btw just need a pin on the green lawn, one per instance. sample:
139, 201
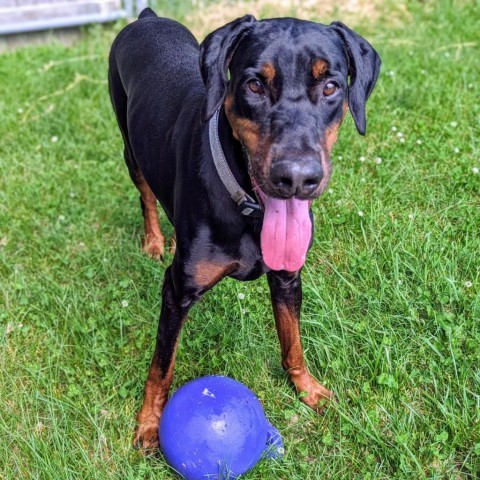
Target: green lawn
391, 288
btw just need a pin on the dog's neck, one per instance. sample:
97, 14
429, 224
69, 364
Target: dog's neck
233, 149
231, 162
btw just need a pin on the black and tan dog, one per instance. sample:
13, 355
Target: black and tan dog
233, 138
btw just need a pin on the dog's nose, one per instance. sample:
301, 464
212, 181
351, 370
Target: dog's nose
296, 178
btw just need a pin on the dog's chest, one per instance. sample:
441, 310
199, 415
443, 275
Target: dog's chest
250, 259
216, 252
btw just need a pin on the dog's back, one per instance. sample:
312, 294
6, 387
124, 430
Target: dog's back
160, 48
154, 74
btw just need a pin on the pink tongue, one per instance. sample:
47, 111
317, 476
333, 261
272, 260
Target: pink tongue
286, 233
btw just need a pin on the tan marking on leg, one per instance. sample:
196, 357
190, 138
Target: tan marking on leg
315, 395
268, 72
153, 241
319, 68
155, 399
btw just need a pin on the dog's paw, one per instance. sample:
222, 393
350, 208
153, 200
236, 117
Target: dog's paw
153, 246
146, 437
312, 393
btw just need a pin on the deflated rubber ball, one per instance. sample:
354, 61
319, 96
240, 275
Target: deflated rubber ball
215, 427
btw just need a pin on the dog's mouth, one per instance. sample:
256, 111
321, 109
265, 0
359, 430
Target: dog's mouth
286, 231
287, 223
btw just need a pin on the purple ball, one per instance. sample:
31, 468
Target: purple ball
215, 427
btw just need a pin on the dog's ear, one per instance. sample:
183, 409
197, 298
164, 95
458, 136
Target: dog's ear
216, 52
363, 69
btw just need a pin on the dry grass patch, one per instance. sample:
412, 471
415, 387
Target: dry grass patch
205, 18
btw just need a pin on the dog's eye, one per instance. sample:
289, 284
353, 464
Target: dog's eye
256, 87
329, 89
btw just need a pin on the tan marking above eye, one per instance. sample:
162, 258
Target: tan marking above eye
319, 68
268, 72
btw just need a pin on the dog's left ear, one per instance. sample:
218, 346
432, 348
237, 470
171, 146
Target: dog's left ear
216, 52
363, 69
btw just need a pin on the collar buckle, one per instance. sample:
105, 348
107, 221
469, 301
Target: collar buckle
250, 209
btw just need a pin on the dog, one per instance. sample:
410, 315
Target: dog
233, 138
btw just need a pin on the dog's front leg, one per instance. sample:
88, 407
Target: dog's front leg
286, 292
175, 306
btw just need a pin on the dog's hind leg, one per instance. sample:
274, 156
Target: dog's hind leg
153, 242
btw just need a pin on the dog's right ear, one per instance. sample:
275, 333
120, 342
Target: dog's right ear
216, 52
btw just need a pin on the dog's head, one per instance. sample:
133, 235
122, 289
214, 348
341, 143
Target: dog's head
286, 86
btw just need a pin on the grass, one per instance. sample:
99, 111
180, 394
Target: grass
391, 294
